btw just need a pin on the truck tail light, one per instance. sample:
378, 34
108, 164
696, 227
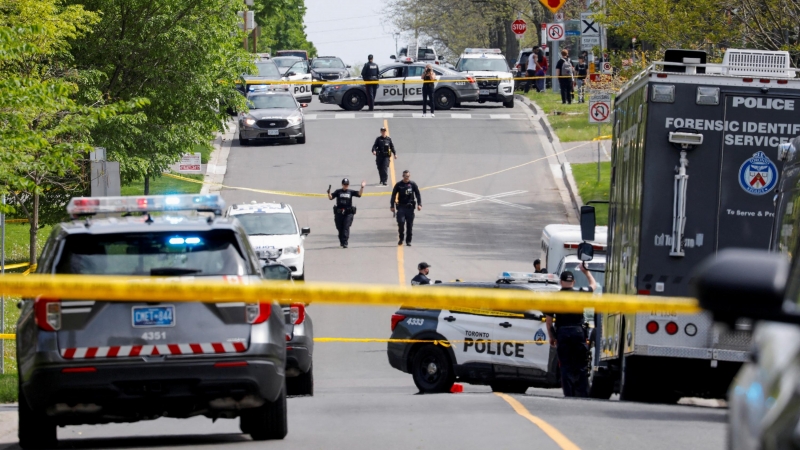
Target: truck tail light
48, 313
297, 313
652, 327
397, 318
257, 312
671, 328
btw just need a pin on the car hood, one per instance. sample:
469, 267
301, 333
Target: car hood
487, 73
272, 113
278, 241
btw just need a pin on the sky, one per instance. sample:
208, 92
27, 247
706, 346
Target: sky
350, 29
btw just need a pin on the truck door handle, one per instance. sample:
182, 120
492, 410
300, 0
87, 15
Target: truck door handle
505, 324
450, 318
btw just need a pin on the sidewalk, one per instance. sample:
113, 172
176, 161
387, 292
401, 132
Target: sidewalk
587, 153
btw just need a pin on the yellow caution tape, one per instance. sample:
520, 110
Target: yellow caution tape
117, 288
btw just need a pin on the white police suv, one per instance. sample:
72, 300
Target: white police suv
274, 233
490, 69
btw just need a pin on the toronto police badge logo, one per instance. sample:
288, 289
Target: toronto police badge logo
539, 337
758, 175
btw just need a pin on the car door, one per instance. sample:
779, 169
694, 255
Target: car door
390, 90
469, 333
413, 87
524, 341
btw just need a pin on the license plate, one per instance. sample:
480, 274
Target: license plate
272, 132
153, 316
487, 91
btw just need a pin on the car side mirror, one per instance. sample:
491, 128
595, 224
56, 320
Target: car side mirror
392, 57
276, 272
290, 74
306, 230
743, 283
588, 223
304, 105
585, 251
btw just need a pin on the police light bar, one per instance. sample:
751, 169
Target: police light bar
79, 206
527, 276
496, 51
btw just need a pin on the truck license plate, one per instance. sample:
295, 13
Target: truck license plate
153, 316
272, 132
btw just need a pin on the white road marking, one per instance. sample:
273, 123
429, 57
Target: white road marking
475, 198
345, 116
499, 116
461, 116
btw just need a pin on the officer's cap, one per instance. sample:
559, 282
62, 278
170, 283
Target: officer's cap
346, 181
567, 276
423, 265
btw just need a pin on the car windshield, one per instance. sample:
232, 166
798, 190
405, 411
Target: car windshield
271, 101
477, 64
598, 272
268, 224
267, 69
285, 61
327, 64
207, 253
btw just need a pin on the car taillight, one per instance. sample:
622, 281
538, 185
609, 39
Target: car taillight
297, 313
397, 318
257, 312
48, 313
671, 328
652, 327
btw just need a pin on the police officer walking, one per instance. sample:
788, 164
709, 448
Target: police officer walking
422, 276
570, 340
383, 149
406, 192
344, 210
370, 73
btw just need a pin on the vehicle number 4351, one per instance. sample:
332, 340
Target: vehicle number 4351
154, 335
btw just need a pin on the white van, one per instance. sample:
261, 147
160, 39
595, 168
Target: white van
560, 240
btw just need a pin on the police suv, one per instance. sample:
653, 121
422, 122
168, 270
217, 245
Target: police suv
274, 233
91, 362
508, 350
490, 69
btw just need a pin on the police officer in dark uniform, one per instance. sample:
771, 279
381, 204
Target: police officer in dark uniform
370, 73
422, 276
406, 192
383, 149
344, 210
570, 340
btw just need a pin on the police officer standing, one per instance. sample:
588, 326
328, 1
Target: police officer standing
422, 276
370, 73
383, 149
344, 210
570, 341
406, 192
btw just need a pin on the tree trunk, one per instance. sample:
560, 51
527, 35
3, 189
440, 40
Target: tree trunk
34, 229
146, 185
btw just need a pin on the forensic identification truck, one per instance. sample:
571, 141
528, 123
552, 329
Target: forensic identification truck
694, 170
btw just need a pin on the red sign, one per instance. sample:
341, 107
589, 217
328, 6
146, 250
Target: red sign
519, 26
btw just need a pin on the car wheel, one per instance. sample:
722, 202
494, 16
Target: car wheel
302, 384
36, 430
354, 100
509, 387
268, 421
510, 103
445, 99
431, 370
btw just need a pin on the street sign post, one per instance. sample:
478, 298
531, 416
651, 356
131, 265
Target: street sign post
519, 27
555, 32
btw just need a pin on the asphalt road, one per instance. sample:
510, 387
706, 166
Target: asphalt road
360, 401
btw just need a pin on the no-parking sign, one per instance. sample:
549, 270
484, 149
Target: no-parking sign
599, 107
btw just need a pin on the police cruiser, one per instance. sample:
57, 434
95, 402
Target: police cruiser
274, 233
490, 69
92, 362
507, 350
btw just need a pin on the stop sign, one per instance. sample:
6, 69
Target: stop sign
519, 26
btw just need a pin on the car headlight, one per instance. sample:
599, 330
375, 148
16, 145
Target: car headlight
295, 119
291, 250
249, 121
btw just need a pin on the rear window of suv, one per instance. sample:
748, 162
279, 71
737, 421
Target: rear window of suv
209, 253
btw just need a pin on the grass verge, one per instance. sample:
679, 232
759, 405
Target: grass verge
589, 189
570, 122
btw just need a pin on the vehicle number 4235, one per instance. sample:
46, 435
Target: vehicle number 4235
154, 335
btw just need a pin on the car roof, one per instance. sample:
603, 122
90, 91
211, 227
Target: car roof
259, 208
141, 224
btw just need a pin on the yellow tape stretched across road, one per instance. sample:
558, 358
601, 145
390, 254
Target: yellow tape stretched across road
150, 289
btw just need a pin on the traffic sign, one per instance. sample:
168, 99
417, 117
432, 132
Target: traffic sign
599, 107
518, 27
555, 32
588, 26
553, 5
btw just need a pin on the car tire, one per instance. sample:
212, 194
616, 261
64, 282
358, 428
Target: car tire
510, 103
509, 387
301, 385
36, 429
431, 370
268, 421
354, 100
444, 98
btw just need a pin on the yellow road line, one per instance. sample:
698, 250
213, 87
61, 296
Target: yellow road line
548, 429
401, 270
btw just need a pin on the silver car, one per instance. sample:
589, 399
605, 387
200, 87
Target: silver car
91, 362
401, 84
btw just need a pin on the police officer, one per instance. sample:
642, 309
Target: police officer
383, 149
570, 340
537, 266
406, 192
344, 210
422, 276
370, 73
